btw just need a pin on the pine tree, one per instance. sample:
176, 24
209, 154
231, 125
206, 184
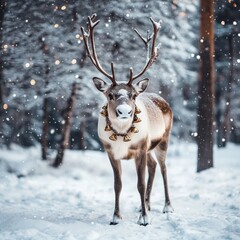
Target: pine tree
206, 87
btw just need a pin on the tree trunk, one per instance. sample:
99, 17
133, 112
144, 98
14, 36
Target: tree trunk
218, 94
45, 120
228, 94
81, 135
45, 127
3, 4
45, 123
67, 127
206, 88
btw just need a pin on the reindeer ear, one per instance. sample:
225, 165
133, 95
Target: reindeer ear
100, 84
141, 86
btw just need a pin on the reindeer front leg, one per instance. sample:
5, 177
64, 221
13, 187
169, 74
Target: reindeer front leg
141, 160
117, 171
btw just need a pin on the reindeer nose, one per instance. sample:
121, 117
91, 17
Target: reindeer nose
124, 111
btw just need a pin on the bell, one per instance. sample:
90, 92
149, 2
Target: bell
107, 128
126, 138
104, 113
113, 137
104, 107
137, 110
136, 119
134, 130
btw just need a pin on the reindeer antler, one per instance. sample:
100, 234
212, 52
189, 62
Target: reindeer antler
93, 56
154, 51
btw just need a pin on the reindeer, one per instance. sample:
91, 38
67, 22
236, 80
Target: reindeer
132, 124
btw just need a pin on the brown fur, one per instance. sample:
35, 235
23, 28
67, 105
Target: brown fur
154, 143
163, 105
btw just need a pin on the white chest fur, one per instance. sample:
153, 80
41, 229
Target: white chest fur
119, 148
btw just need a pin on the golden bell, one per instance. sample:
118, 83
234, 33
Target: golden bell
134, 130
126, 138
113, 137
107, 128
136, 119
137, 110
104, 113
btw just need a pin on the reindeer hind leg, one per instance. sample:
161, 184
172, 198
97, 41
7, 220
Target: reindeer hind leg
151, 164
161, 152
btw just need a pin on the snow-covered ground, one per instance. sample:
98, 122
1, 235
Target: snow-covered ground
76, 201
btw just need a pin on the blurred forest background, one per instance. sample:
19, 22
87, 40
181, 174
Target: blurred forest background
45, 75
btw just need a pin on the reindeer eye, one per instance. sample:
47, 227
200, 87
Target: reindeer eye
110, 95
134, 96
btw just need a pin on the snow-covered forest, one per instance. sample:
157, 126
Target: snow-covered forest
48, 103
42, 55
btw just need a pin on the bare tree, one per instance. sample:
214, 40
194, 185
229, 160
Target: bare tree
67, 126
206, 87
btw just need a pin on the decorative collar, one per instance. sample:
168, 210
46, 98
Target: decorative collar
132, 129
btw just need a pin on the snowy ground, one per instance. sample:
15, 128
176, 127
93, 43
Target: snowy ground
77, 200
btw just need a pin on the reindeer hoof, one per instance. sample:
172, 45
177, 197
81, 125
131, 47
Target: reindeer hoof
116, 220
113, 223
168, 208
143, 220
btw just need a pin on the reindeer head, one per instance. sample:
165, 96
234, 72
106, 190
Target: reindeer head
120, 96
